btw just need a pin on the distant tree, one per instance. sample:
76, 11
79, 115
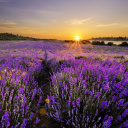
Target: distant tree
98, 43
95, 42
112, 38
124, 44
67, 40
110, 43
10, 36
102, 43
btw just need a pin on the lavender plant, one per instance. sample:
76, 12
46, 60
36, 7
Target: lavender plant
89, 90
18, 94
90, 94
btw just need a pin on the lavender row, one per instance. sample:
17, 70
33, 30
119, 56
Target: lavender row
20, 95
90, 93
92, 87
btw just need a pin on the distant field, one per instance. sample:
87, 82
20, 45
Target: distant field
73, 84
58, 49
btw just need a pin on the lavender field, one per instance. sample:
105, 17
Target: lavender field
86, 86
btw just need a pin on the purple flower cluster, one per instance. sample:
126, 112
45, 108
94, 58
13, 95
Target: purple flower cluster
18, 91
104, 105
103, 90
5, 120
92, 89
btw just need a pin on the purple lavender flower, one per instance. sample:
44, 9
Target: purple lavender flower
97, 94
119, 118
124, 92
24, 100
110, 118
26, 108
104, 104
68, 102
126, 124
106, 124
32, 114
5, 119
78, 101
21, 90
70, 92
73, 104
120, 102
53, 98
114, 98
23, 125
125, 113
61, 83
37, 120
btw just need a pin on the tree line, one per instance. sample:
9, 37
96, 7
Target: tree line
109, 43
10, 37
111, 38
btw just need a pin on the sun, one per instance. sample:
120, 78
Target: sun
77, 38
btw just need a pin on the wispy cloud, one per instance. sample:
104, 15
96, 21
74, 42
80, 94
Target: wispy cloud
125, 25
11, 24
78, 21
107, 25
8, 24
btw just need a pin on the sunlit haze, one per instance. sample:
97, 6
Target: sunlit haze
77, 38
64, 19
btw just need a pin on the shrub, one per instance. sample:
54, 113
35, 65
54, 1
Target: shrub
98, 43
110, 43
124, 44
98, 58
119, 57
2, 60
79, 57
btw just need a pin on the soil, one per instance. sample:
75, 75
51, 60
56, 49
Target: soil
44, 79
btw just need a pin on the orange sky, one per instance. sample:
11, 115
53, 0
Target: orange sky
64, 19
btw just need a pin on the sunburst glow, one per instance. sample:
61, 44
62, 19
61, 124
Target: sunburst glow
76, 46
77, 38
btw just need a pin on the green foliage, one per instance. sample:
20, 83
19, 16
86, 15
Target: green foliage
125, 61
2, 61
124, 44
61, 61
10, 36
119, 57
98, 43
111, 38
110, 43
78, 57
98, 58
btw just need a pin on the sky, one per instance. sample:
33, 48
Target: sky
64, 19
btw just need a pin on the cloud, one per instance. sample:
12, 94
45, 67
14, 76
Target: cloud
8, 24
11, 24
78, 21
107, 25
125, 25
